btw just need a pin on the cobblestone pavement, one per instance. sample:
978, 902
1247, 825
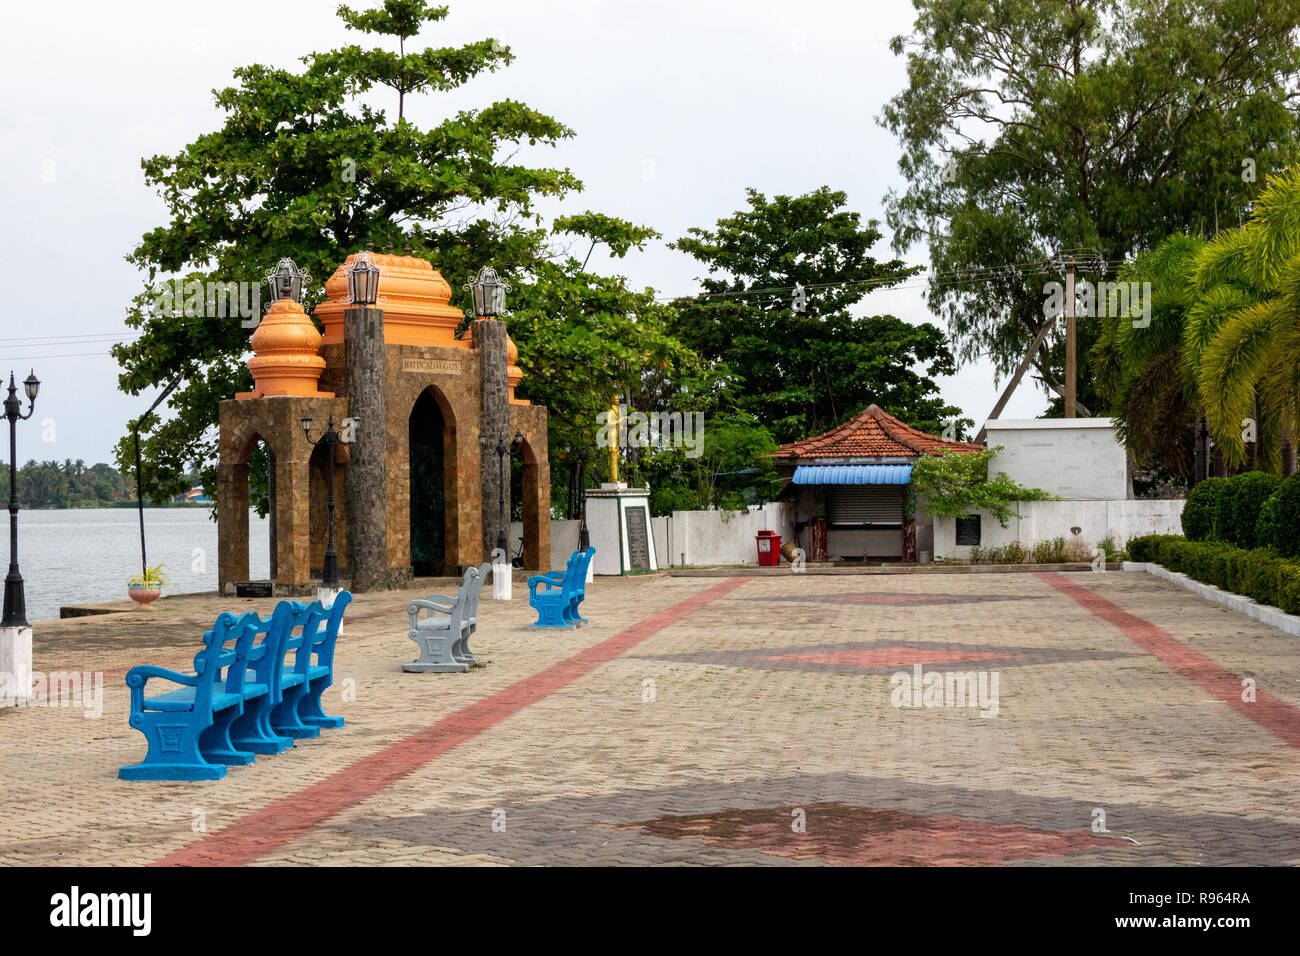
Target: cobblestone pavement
722, 721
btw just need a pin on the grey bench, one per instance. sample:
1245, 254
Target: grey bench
443, 635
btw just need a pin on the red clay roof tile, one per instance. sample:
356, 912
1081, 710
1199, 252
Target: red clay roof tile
873, 433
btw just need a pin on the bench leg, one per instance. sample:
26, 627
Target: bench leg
309, 709
215, 742
550, 614
252, 731
285, 717
436, 656
173, 751
461, 651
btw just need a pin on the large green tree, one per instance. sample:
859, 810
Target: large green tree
799, 372
309, 164
1034, 126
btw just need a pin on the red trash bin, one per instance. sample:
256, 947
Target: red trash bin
769, 548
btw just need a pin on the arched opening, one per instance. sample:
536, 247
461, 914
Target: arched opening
429, 436
246, 528
529, 504
319, 477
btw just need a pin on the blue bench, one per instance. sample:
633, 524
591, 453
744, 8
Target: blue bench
242, 700
557, 602
580, 586
188, 730
299, 713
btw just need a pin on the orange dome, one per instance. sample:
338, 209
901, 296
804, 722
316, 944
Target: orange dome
286, 363
414, 296
514, 374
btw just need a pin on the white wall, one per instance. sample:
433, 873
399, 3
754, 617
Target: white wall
564, 541
717, 537
1121, 520
1069, 457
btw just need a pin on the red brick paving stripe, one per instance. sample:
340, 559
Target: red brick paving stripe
288, 818
1267, 711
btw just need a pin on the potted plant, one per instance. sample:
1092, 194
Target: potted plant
145, 588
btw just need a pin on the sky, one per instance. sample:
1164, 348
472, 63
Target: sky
677, 105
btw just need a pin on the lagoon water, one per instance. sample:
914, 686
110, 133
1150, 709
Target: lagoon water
85, 555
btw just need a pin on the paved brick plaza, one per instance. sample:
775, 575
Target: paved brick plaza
771, 704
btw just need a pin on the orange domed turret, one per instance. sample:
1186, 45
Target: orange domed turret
413, 295
286, 363
514, 374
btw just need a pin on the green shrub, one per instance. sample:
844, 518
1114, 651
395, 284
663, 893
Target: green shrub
1049, 552
1258, 574
1200, 508
1278, 527
1240, 499
1143, 549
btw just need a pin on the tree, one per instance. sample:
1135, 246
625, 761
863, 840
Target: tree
583, 337
1139, 365
1034, 126
801, 372
307, 165
1242, 341
956, 484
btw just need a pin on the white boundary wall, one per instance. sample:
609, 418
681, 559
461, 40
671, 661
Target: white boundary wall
717, 537
1120, 520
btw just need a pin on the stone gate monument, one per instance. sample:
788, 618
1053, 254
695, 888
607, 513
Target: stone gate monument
417, 486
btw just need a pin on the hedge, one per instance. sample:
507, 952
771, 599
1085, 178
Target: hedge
1256, 573
1200, 507
1240, 499
1278, 527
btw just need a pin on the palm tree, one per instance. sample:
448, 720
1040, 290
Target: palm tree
1140, 369
1242, 338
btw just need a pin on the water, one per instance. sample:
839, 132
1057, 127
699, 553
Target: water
85, 555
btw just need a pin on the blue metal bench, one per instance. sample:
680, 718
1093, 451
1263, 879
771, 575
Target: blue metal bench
556, 603
188, 730
253, 730
299, 713
580, 586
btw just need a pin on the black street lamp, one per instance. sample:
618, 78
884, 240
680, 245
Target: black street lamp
330, 567
501, 498
584, 539
15, 604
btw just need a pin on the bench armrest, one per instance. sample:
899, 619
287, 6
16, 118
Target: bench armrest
431, 605
139, 675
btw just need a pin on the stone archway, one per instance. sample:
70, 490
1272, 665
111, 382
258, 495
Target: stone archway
535, 508
431, 445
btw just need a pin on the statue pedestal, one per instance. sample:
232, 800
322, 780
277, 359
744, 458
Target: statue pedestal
618, 523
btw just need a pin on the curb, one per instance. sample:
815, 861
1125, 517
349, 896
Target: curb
1264, 613
754, 572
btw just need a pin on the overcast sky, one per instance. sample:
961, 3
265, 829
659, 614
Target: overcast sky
678, 105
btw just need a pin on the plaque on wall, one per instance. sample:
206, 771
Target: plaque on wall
638, 539
253, 589
431, 365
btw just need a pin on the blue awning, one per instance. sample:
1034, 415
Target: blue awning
852, 474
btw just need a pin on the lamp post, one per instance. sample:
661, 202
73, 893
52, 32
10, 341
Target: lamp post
584, 539
330, 567
15, 602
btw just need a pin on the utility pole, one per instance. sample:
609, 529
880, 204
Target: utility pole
1071, 370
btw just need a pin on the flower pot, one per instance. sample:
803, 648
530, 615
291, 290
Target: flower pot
145, 597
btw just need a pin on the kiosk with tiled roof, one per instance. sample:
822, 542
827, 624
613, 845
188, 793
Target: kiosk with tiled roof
860, 472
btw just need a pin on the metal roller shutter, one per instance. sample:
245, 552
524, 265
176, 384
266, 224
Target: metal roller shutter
866, 505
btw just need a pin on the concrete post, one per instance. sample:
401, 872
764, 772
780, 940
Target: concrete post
366, 489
